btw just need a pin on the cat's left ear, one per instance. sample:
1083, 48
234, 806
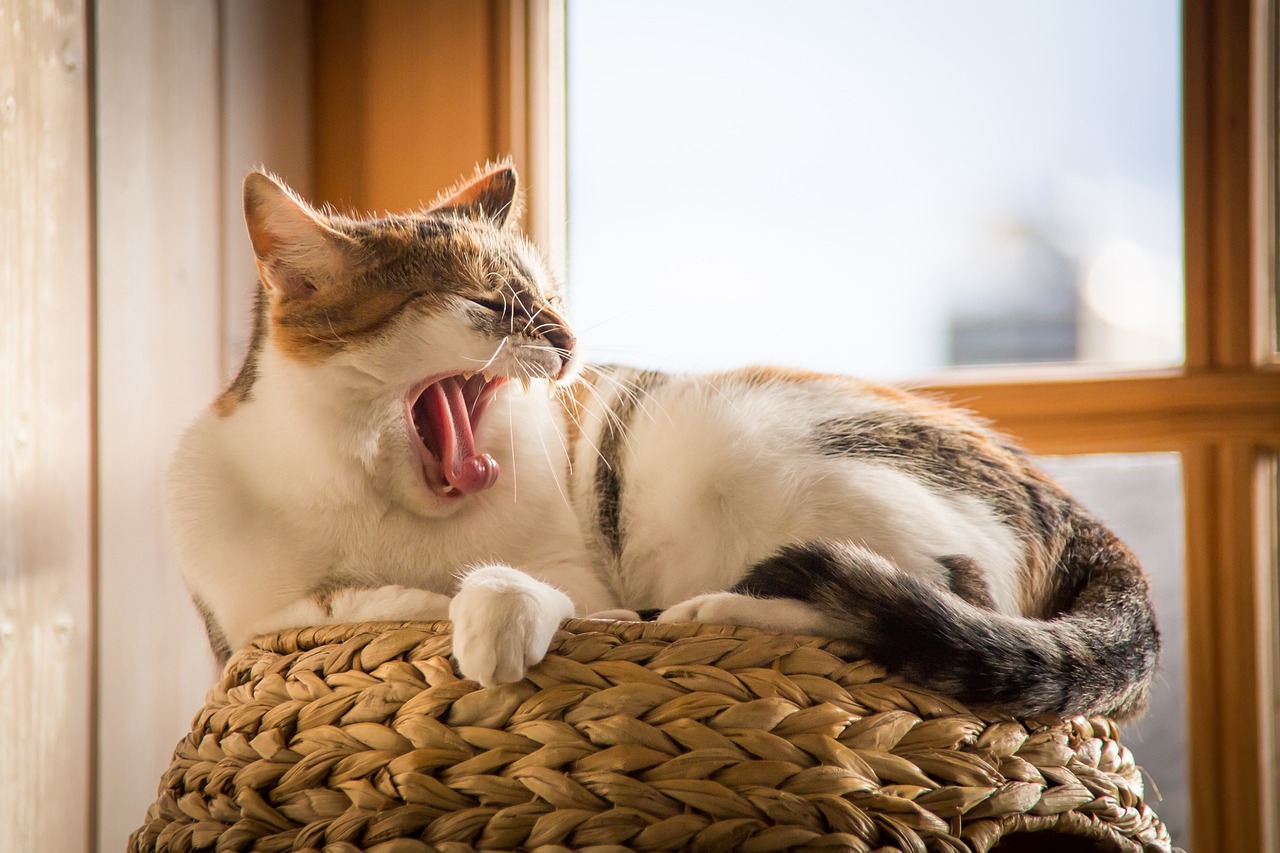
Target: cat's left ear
298, 252
493, 195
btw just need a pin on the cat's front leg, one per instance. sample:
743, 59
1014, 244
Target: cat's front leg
503, 623
347, 604
730, 608
390, 602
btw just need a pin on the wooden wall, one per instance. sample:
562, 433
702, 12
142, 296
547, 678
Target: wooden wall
407, 98
46, 482
410, 95
104, 358
158, 284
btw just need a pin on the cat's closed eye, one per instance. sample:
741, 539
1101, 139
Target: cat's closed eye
496, 305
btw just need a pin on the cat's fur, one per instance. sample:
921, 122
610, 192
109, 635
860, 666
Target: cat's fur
774, 498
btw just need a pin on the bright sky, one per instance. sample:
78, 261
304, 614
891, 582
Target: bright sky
821, 183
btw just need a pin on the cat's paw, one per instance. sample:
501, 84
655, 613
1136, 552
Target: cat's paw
388, 602
731, 608
615, 615
503, 623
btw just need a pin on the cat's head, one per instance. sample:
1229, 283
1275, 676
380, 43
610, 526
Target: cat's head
433, 310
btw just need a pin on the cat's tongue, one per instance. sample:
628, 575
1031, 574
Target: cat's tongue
464, 469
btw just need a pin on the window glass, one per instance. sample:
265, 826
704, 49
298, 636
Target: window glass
875, 188
1139, 496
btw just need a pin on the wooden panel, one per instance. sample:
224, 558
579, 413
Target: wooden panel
547, 139
46, 630
1218, 164
406, 98
266, 121
1268, 620
1222, 656
158, 169
339, 94
1127, 413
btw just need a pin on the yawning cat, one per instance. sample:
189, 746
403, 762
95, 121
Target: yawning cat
412, 437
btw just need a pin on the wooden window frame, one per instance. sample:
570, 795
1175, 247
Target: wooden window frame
1220, 412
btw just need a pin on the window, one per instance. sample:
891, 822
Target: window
894, 190
883, 198
1205, 405
385, 104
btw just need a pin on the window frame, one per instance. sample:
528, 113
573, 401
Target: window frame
1220, 411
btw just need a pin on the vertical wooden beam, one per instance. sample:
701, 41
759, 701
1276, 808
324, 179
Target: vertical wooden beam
412, 103
1222, 635
46, 576
1266, 180
1218, 104
1267, 560
159, 284
266, 119
547, 173
338, 95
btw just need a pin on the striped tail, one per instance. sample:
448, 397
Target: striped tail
1098, 653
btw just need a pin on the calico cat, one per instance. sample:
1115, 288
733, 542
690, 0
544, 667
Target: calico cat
413, 436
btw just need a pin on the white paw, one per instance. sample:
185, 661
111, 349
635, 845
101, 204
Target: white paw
387, 603
730, 608
503, 623
721, 608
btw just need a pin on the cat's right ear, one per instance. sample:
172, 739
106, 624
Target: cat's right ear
298, 253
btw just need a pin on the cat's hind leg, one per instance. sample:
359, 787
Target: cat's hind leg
730, 608
503, 623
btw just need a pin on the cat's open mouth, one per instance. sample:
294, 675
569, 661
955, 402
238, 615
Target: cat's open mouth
443, 414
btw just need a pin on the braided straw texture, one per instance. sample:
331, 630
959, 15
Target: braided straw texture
629, 736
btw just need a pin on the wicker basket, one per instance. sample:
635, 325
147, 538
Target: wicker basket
630, 736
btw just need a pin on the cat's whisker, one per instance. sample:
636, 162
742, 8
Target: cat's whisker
608, 416
511, 435
605, 320
551, 465
567, 454
529, 328
611, 418
585, 436
638, 395
485, 364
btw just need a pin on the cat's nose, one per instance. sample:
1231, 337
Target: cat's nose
556, 331
564, 342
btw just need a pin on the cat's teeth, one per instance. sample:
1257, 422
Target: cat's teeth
467, 374
448, 488
525, 382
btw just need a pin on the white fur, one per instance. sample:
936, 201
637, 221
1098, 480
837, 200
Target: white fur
729, 608
716, 482
503, 622
313, 483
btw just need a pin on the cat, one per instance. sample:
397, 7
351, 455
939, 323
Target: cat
414, 436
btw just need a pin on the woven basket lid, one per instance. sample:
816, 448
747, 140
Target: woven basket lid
629, 736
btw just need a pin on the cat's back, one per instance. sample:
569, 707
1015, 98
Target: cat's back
722, 469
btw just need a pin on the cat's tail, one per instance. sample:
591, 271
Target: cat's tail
1097, 655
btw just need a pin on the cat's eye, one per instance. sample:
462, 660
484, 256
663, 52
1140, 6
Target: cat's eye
495, 304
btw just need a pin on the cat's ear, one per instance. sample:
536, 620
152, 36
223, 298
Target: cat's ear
494, 194
298, 253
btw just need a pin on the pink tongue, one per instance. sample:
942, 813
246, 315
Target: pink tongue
466, 470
